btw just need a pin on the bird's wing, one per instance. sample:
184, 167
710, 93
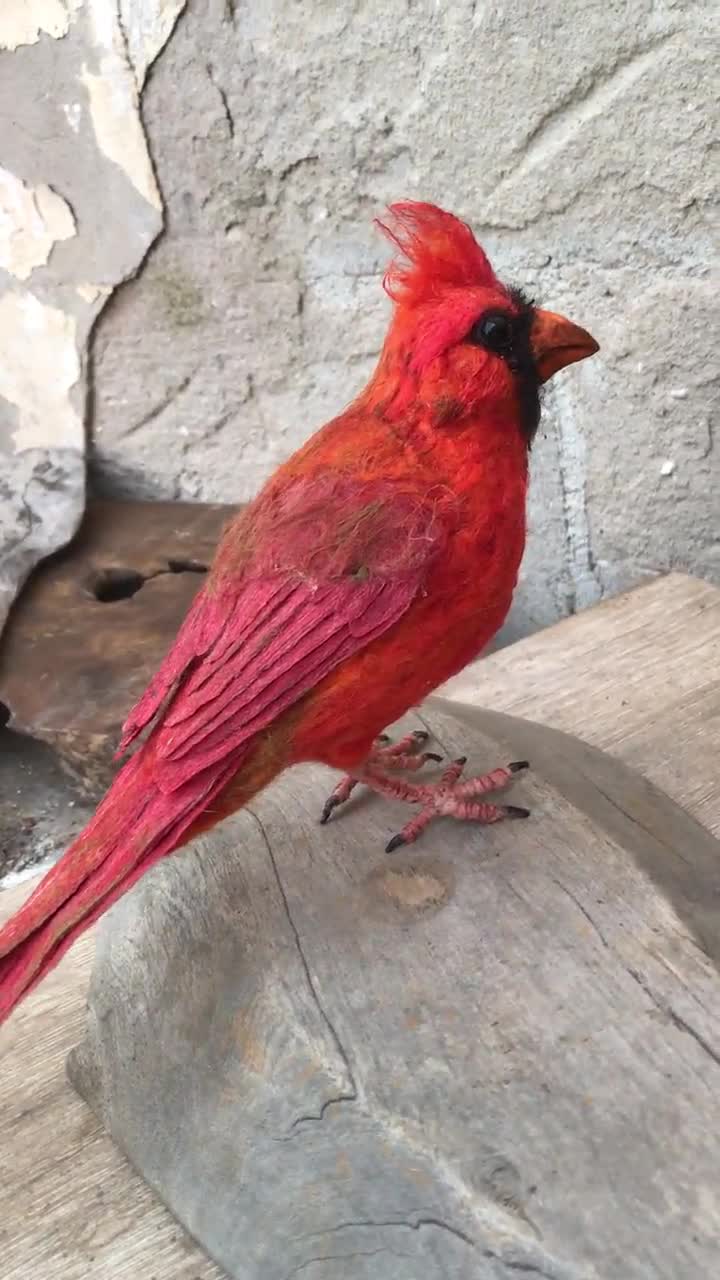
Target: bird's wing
301, 584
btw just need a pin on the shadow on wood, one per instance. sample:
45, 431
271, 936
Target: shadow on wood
495, 1052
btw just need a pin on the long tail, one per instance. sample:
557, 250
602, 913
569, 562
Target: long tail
136, 824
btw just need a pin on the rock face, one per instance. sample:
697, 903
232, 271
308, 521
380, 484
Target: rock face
575, 138
79, 207
492, 1054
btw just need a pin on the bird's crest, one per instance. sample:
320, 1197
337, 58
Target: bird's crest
435, 250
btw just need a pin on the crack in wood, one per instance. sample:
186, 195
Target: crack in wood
351, 1094
582, 909
672, 1016
110, 585
343, 1257
402, 1223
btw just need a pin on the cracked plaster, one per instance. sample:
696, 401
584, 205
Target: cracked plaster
79, 208
577, 141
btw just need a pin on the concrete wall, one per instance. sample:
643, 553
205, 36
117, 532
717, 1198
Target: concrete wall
79, 207
577, 139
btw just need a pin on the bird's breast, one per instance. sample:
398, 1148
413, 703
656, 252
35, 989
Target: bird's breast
463, 602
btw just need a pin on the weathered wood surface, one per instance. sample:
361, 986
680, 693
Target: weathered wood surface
71, 1208
53, 1223
639, 676
499, 1051
92, 624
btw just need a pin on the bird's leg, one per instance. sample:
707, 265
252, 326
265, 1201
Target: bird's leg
404, 755
449, 798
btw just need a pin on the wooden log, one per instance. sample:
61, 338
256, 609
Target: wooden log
493, 1054
71, 1208
91, 626
639, 676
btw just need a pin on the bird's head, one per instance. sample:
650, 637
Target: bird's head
461, 342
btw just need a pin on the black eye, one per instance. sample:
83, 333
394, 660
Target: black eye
494, 331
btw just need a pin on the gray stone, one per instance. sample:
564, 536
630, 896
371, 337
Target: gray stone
577, 140
42, 494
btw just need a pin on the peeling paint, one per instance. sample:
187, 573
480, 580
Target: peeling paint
22, 21
32, 220
91, 292
40, 366
76, 90
103, 19
115, 106
73, 114
147, 25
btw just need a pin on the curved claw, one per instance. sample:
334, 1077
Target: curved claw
395, 843
514, 811
330, 804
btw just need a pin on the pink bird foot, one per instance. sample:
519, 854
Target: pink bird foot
448, 798
388, 757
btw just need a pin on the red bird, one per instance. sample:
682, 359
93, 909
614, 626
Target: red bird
376, 562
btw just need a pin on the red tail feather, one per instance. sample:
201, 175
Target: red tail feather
134, 826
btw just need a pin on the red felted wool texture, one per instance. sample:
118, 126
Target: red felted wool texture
375, 563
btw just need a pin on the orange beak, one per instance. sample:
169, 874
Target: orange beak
555, 342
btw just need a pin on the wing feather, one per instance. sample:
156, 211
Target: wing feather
256, 642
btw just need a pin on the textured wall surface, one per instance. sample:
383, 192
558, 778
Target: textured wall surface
79, 207
576, 138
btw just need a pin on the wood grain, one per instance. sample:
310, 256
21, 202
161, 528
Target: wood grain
504, 1037
638, 988
71, 1207
638, 676
71, 665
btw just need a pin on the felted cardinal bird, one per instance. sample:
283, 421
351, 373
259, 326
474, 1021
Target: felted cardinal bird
375, 563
